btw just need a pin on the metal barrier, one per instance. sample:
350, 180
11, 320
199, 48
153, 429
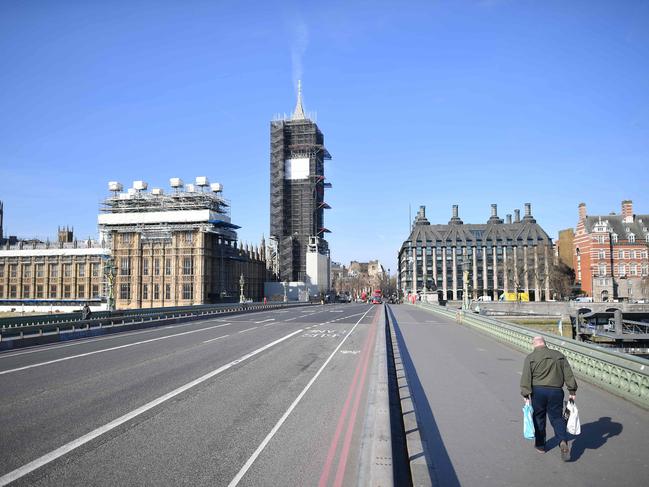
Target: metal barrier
625, 376
44, 319
10, 337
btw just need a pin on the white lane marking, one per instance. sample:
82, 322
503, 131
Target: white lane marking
217, 338
291, 319
68, 447
235, 481
124, 334
62, 359
264, 321
270, 324
248, 329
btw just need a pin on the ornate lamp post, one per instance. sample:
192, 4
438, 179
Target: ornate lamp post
242, 282
110, 271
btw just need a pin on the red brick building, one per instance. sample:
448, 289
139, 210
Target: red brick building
610, 254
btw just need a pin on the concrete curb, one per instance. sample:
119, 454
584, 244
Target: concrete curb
416, 454
376, 447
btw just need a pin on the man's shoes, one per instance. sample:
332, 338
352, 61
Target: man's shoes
540, 449
565, 451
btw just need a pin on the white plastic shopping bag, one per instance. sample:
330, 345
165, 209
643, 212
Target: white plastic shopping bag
573, 426
528, 424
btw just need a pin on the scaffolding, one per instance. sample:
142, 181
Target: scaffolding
297, 205
156, 215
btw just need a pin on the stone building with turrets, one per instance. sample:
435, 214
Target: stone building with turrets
485, 259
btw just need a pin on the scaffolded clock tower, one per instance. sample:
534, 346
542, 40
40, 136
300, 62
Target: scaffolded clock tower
297, 204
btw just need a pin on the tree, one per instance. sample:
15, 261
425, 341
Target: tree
562, 279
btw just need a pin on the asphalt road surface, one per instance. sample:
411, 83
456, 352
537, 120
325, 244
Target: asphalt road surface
268, 398
467, 397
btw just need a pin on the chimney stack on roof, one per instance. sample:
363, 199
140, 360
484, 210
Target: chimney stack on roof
494, 214
517, 215
528, 213
582, 211
455, 219
508, 218
627, 211
420, 219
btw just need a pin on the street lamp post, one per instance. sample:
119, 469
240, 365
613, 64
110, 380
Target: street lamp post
110, 271
285, 284
242, 282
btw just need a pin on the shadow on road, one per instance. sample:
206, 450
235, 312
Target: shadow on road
440, 467
594, 435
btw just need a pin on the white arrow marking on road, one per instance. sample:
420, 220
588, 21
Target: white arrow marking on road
68, 447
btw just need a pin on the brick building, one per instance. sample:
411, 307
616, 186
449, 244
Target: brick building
610, 254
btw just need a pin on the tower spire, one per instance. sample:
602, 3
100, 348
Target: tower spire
298, 113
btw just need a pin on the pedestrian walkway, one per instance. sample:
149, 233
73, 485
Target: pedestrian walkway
466, 391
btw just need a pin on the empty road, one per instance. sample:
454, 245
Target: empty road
267, 398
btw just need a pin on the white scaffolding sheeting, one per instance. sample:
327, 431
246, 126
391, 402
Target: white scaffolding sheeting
157, 217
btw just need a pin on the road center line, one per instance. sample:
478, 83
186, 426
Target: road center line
248, 329
217, 338
235, 481
68, 447
62, 359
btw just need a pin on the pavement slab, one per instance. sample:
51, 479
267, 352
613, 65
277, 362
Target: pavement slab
468, 406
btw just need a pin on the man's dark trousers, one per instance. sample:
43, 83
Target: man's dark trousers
548, 400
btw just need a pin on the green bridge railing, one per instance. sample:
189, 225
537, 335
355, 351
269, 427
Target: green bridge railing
622, 375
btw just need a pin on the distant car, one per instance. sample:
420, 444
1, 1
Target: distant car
376, 300
584, 299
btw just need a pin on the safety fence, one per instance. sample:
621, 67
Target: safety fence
620, 374
27, 334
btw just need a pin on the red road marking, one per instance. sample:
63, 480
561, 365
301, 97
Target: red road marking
324, 476
342, 463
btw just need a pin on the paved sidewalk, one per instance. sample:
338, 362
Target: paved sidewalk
466, 391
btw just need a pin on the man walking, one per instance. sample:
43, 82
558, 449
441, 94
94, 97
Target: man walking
544, 373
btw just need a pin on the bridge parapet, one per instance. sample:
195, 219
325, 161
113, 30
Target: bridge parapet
556, 308
623, 375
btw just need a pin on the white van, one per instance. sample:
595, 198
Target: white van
584, 299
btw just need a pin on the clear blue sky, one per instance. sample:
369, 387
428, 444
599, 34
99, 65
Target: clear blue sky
433, 103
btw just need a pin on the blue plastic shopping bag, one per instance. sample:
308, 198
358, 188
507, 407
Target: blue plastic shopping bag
528, 424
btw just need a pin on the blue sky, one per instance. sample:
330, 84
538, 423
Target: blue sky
421, 103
